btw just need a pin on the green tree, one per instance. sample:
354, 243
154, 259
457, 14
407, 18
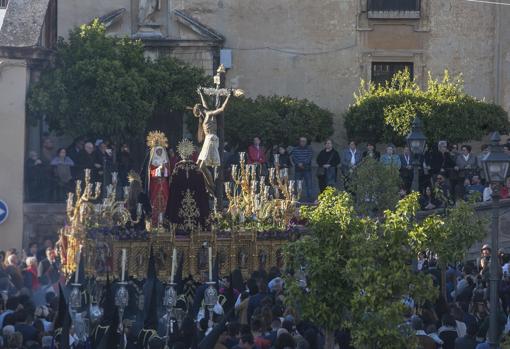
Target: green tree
380, 270
358, 269
277, 120
458, 226
375, 187
324, 255
103, 85
384, 112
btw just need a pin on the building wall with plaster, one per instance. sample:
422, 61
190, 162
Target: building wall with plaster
13, 85
321, 49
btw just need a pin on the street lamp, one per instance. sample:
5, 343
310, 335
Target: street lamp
496, 169
416, 142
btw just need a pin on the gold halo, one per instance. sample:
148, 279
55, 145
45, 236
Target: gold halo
157, 139
185, 149
133, 177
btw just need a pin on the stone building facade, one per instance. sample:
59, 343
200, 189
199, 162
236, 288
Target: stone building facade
317, 50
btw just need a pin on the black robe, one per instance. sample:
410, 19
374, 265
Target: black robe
188, 203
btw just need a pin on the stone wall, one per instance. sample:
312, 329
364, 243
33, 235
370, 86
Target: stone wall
42, 221
321, 49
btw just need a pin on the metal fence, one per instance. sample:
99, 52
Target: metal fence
394, 5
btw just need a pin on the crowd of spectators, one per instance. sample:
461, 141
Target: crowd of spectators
52, 174
460, 317
445, 173
28, 302
258, 316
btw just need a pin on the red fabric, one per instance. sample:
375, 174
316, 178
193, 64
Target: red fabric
35, 279
262, 343
158, 190
256, 156
504, 192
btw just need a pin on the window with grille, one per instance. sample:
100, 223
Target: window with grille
384, 71
3, 3
394, 8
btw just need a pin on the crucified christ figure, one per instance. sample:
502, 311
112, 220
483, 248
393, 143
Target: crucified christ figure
208, 126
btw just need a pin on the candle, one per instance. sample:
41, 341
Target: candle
160, 218
77, 273
291, 185
138, 210
114, 177
174, 262
98, 188
109, 189
126, 192
82, 212
276, 159
210, 263
242, 156
234, 171
87, 173
271, 174
123, 264
70, 201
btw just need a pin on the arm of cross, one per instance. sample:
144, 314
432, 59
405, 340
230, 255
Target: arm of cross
204, 103
222, 108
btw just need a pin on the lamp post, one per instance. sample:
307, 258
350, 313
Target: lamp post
416, 142
496, 169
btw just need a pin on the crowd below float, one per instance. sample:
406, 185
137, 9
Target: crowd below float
249, 314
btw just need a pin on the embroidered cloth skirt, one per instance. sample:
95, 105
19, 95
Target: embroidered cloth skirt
210, 154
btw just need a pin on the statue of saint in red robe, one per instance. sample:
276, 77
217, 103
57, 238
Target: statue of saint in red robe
159, 185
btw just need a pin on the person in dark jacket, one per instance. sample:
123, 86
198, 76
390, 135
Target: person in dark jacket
371, 152
469, 340
87, 160
327, 162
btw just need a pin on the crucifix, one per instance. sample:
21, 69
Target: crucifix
211, 132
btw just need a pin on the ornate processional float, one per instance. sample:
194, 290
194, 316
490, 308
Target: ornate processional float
173, 212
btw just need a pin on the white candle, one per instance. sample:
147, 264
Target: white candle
123, 263
138, 210
77, 273
160, 218
210, 263
174, 262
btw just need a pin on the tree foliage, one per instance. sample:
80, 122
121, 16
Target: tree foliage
384, 113
359, 269
102, 85
375, 187
276, 120
380, 270
324, 254
458, 227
